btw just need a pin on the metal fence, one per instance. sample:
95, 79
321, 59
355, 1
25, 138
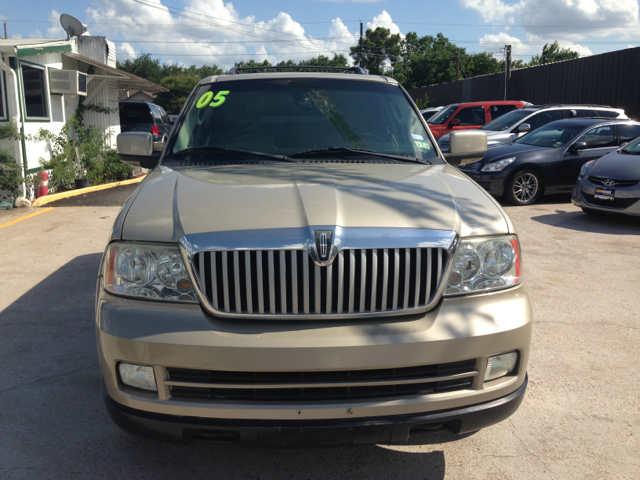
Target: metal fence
608, 79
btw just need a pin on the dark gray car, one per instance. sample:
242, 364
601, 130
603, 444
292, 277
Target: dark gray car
548, 160
146, 117
611, 183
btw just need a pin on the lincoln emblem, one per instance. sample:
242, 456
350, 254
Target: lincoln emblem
323, 240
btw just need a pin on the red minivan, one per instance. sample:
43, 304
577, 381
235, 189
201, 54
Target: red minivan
467, 116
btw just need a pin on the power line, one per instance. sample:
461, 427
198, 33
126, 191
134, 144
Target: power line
354, 21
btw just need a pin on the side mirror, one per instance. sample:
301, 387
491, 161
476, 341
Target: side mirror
576, 147
466, 146
136, 148
524, 127
455, 122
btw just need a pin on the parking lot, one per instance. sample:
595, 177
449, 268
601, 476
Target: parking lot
579, 419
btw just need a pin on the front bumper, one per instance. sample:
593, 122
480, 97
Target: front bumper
492, 182
381, 430
183, 336
585, 186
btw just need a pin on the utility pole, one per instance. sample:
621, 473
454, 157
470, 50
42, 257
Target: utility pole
361, 47
5, 30
458, 65
507, 68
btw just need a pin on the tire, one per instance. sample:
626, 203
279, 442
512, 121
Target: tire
591, 211
524, 187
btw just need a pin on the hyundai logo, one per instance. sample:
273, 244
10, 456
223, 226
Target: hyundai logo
609, 183
324, 240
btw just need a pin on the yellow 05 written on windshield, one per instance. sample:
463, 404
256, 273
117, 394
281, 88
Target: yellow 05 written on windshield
218, 100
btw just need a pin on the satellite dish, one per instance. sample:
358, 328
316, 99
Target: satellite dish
72, 26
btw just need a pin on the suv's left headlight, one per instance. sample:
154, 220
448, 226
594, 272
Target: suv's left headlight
484, 264
147, 270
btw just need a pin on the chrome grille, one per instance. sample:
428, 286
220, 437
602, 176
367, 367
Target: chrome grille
321, 385
619, 183
288, 282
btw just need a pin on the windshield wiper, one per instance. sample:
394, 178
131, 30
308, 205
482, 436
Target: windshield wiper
363, 151
233, 151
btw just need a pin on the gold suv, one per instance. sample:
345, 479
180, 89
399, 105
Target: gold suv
303, 266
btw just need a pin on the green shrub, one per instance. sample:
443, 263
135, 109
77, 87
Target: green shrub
79, 152
10, 175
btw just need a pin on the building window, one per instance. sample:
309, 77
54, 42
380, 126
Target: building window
3, 96
35, 91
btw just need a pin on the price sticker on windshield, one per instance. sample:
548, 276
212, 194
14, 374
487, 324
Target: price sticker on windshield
207, 99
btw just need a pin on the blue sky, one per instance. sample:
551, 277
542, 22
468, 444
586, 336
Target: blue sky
214, 31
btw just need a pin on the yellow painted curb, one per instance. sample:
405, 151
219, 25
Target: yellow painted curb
81, 191
24, 217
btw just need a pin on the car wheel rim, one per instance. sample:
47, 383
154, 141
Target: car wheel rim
525, 188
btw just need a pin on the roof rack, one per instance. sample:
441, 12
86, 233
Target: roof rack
572, 105
356, 70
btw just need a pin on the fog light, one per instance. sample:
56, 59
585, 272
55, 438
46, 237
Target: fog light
138, 376
500, 365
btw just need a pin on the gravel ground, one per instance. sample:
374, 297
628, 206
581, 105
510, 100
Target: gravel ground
580, 418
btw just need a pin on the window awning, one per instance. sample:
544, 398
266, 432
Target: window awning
126, 81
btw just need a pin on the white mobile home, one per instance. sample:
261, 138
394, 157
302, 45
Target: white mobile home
42, 82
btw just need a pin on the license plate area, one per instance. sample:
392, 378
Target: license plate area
605, 193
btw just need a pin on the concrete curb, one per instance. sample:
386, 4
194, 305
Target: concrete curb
38, 202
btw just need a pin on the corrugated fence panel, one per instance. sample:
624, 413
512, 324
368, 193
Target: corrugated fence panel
607, 79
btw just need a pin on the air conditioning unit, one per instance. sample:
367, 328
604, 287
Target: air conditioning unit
69, 82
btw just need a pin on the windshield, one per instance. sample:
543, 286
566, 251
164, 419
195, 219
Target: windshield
506, 121
286, 116
443, 115
633, 147
552, 135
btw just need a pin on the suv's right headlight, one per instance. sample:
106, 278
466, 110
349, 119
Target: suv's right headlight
484, 264
147, 270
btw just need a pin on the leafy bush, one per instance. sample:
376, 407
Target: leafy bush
10, 175
77, 152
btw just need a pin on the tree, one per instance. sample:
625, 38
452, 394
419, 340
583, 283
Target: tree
553, 53
427, 60
480, 64
177, 79
144, 67
378, 47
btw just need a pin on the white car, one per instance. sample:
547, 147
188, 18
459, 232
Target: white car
515, 124
427, 113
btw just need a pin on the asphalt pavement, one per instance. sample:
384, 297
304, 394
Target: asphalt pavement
580, 417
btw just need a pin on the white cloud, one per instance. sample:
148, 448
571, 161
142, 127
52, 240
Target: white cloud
494, 42
490, 10
563, 19
127, 50
55, 30
384, 20
216, 34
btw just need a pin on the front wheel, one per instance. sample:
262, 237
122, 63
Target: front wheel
524, 187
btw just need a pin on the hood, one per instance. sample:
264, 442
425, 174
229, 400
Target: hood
175, 202
509, 150
617, 166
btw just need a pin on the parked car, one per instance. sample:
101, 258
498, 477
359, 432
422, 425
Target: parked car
303, 265
611, 183
146, 117
427, 113
518, 122
548, 159
468, 116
